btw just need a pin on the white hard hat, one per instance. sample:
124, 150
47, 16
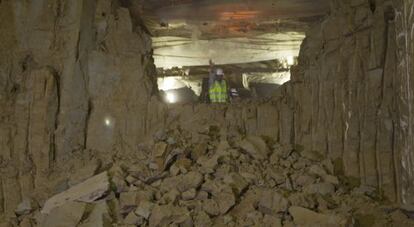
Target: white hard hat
219, 72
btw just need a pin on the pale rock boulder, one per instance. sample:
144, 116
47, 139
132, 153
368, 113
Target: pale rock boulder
303, 180
26, 222
272, 203
66, 215
83, 173
271, 221
236, 182
255, 146
320, 188
133, 219
183, 182
167, 215
210, 163
225, 200
254, 218
331, 179
189, 195
99, 217
305, 217
303, 200
117, 178
400, 219
248, 203
364, 190
312, 155
160, 154
202, 219
190, 180
211, 207
87, 191
317, 170
25, 207
144, 209
128, 201
170, 197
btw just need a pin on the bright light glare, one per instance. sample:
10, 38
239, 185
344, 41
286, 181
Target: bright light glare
169, 83
107, 122
291, 60
171, 98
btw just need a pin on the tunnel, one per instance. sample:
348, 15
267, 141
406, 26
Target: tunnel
206, 113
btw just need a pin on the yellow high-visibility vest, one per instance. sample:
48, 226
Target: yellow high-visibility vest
218, 92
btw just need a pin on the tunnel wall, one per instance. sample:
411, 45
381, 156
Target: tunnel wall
75, 80
405, 70
351, 97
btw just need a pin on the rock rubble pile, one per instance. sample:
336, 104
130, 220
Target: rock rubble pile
214, 179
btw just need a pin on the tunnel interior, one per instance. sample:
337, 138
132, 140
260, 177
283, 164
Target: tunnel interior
255, 43
103, 121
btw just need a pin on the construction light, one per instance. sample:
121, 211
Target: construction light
171, 98
108, 122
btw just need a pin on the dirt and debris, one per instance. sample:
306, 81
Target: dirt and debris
220, 180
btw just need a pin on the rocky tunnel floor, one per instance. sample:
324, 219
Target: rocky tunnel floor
212, 178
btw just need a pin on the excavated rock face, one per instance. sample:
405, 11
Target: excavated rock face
349, 96
404, 23
75, 77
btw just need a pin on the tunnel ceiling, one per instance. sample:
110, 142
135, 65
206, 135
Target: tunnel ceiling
189, 32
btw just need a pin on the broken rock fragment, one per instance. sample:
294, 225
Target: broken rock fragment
272, 203
188, 195
127, 201
304, 180
87, 191
236, 182
271, 221
305, 217
133, 219
167, 215
160, 154
66, 215
255, 146
211, 207
99, 217
321, 188
202, 219
225, 200
190, 180
25, 207
144, 209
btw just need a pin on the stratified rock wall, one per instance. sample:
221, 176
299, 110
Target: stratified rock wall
75, 77
351, 94
404, 23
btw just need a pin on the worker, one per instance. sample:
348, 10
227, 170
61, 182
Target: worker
218, 90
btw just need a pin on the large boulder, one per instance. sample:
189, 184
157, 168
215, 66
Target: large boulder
305, 217
87, 191
167, 215
99, 217
255, 146
65, 215
272, 203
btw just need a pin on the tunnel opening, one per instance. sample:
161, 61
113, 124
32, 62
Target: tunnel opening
255, 44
